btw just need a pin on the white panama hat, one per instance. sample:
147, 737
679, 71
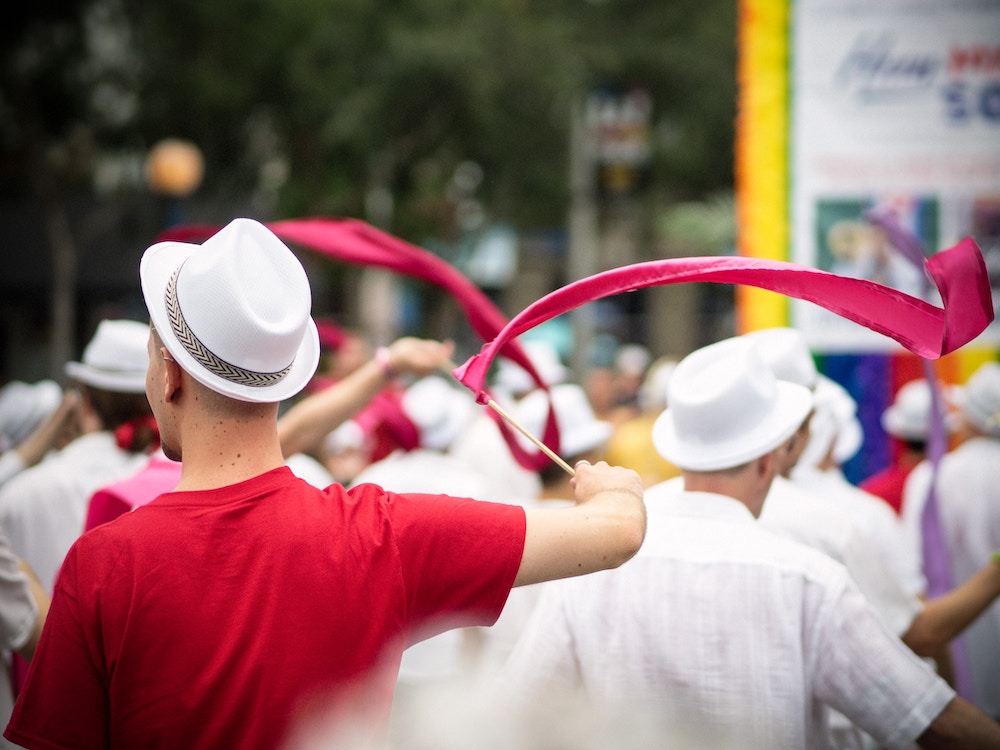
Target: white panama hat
23, 409
726, 407
786, 352
908, 417
514, 379
439, 411
234, 311
115, 359
580, 431
979, 399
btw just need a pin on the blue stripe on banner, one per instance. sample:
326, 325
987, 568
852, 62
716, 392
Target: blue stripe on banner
868, 378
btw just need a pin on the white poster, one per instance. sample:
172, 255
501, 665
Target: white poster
895, 104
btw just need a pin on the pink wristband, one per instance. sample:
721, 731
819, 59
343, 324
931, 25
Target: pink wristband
384, 361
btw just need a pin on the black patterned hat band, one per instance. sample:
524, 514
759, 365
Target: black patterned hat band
203, 355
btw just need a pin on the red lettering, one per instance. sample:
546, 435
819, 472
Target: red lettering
979, 58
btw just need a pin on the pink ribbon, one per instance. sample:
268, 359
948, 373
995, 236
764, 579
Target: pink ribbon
354, 241
959, 274
934, 545
928, 331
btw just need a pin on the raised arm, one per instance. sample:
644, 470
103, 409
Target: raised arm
945, 617
53, 432
603, 530
303, 426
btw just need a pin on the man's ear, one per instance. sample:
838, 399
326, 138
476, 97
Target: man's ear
767, 465
172, 376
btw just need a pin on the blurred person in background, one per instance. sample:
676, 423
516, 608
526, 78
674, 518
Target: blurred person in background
631, 443
967, 488
907, 420
43, 509
35, 418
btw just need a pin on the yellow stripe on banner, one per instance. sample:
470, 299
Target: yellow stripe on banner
762, 193
968, 359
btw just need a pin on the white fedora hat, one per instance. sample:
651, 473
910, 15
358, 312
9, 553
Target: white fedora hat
115, 359
514, 379
24, 407
979, 398
234, 311
786, 352
726, 407
439, 411
580, 431
908, 417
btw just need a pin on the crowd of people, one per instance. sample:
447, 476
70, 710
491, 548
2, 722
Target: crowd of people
238, 527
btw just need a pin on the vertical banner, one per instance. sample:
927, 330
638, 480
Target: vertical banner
762, 153
895, 106
848, 106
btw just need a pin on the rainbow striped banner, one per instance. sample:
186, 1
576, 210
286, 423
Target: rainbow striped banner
845, 105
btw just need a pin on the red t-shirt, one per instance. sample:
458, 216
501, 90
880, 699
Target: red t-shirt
217, 618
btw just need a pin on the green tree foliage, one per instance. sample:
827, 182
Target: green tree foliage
319, 105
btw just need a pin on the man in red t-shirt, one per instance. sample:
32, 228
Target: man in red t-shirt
226, 612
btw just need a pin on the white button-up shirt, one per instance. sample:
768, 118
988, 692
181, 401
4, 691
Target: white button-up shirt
722, 627
794, 513
968, 502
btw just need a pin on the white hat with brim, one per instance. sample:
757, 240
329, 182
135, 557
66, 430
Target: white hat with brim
979, 399
234, 312
580, 431
440, 411
116, 358
726, 408
909, 415
24, 407
787, 354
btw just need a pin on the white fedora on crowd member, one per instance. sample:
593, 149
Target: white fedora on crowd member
438, 410
115, 359
909, 415
786, 352
234, 312
580, 431
725, 407
513, 379
23, 409
979, 399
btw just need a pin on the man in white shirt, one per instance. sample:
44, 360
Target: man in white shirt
968, 503
725, 628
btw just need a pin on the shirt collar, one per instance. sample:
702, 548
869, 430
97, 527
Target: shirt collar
700, 504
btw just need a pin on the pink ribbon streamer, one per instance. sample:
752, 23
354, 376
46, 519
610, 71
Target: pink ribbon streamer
959, 274
934, 545
928, 331
353, 241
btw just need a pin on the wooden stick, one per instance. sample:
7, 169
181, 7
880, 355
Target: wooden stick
449, 367
541, 446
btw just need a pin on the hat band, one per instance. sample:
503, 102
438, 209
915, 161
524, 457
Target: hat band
206, 358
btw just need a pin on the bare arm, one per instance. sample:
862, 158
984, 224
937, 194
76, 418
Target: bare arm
42, 601
603, 530
303, 426
944, 618
52, 432
961, 726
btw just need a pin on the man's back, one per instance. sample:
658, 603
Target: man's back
214, 618
733, 630
966, 498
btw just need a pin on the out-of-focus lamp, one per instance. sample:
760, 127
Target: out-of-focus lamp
174, 168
